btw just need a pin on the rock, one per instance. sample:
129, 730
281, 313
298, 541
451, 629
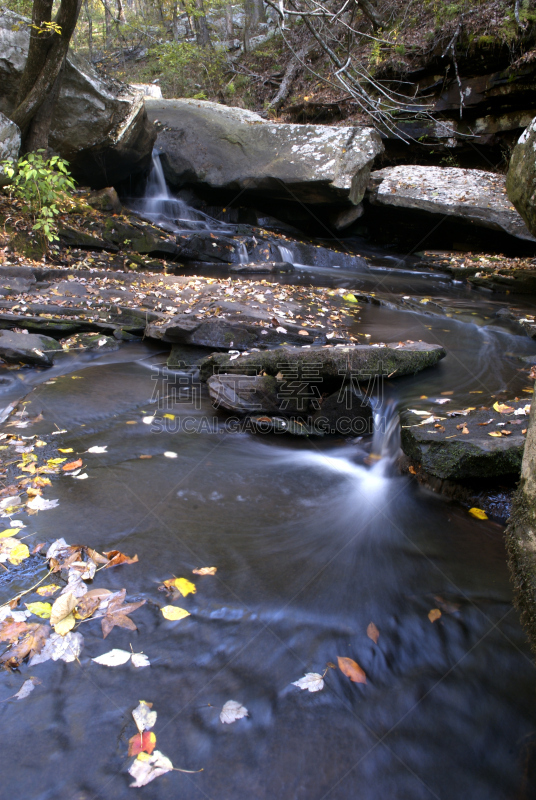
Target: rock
100, 126
244, 394
348, 362
28, 348
89, 341
521, 177
450, 454
345, 412
263, 267
521, 534
470, 195
105, 200
9, 144
343, 219
218, 147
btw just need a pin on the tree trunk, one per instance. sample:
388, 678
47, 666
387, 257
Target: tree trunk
41, 77
175, 23
202, 34
228, 12
372, 13
107, 21
89, 31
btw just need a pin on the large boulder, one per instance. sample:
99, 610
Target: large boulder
470, 195
234, 149
521, 177
100, 126
28, 348
9, 144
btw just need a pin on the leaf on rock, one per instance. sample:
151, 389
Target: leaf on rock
115, 557
373, 632
351, 669
312, 681
494, 433
60, 648
141, 743
434, 614
46, 591
232, 711
117, 614
72, 465
144, 717
62, 607
478, 513
30, 645
502, 408
184, 586
40, 609
174, 612
113, 658
205, 571
145, 770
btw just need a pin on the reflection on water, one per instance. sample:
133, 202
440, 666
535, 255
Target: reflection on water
313, 540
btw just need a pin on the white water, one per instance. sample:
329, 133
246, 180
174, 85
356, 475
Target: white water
286, 254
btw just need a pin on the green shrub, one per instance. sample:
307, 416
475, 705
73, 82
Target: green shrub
188, 70
43, 185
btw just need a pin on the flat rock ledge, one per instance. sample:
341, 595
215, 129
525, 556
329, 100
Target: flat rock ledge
460, 447
521, 535
470, 195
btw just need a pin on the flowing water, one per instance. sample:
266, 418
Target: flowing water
312, 544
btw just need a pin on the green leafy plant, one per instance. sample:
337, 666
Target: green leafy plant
43, 185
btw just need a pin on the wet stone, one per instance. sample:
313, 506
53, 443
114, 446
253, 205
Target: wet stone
28, 348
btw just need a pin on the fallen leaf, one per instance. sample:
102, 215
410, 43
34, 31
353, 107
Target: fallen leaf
312, 681
170, 454
494, 433
65, 625
478, 513
373, 632
145, 770
29, 645
60, 648
97, 449
117, 614
205, 571
27, 687
72, 465
115, 557
114, 658
141, 743
39, 504
62, 607
140, 660
502, 408
65, 450
144, 717
232, 711
39, 609
434, 614
184, 586
8, 532
174, 612
11, 631
86, 606
18, 553
351, 669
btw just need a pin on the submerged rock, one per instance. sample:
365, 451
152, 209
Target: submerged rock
443, 449
348, 362
521, 177
218, 147
9, 144
521, 534
471, 195
99, 125
28, 348
244, 394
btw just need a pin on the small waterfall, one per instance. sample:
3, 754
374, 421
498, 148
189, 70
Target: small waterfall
158, 202
286, 254
386, 437
242, 253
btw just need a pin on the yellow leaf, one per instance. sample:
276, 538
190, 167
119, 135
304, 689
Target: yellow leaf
8, 532
50, 588
65, 450
40, 609
478, 513
502, 408
174, 612
169, 416
184, 586
18, 554
52, 462
65, 625
494, 433
434, 614
350, 298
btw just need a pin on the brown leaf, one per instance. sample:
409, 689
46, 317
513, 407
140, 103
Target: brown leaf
86, 606
373, 632
141, 743
10, 631
31, 644
115, 557
62, 607
117, 614
434, 614
351, 669
72, 465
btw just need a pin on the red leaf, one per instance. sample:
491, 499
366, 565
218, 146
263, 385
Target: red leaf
141, 743
351, 669
115, 557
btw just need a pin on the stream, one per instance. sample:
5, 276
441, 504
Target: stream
311, 545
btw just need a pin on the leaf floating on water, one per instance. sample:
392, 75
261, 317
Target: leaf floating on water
140, 660
502, 408
8, 532
170, 454
30, 645
26, 688
434, 614
144, 717
114, 658
373, 632
65, 625
184, 586
97, 449
312, 681
141, 743
205, 571
115, 557
18, 553
60, 648
117, 614
72, 465
39, 504
62, 607
148, 767
232, 711
47, 590
478, 513
174, 612
11, 631
351, 669
40, 609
